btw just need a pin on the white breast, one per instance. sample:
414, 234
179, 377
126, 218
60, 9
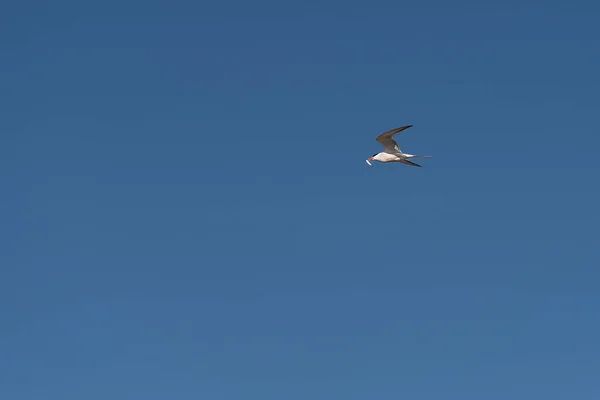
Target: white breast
386, 157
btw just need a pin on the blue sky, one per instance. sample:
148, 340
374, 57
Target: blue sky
187, 213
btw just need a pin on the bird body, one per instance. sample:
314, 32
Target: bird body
391, 151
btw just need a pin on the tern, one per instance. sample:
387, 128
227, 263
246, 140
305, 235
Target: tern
391, 152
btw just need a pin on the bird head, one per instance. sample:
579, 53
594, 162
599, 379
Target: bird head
370, 159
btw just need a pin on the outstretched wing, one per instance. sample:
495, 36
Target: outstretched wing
386, 140
409, 163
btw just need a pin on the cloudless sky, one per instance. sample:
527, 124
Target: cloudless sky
186, 212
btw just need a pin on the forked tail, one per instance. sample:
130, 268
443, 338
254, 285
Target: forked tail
405, 161
415, 156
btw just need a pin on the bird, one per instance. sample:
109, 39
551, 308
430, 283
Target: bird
391, 152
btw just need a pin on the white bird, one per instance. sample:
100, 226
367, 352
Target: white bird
391, 152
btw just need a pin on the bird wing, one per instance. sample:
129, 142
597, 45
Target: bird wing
387, 141
409, 163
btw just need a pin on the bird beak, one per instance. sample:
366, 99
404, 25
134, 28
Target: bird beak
369, 159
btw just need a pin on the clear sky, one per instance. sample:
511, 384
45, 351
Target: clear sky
186, 212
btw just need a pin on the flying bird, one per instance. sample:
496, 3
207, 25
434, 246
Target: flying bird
391, 152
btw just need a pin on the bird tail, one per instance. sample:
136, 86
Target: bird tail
415, 156
405, 160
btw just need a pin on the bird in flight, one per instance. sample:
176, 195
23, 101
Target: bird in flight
391, 152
